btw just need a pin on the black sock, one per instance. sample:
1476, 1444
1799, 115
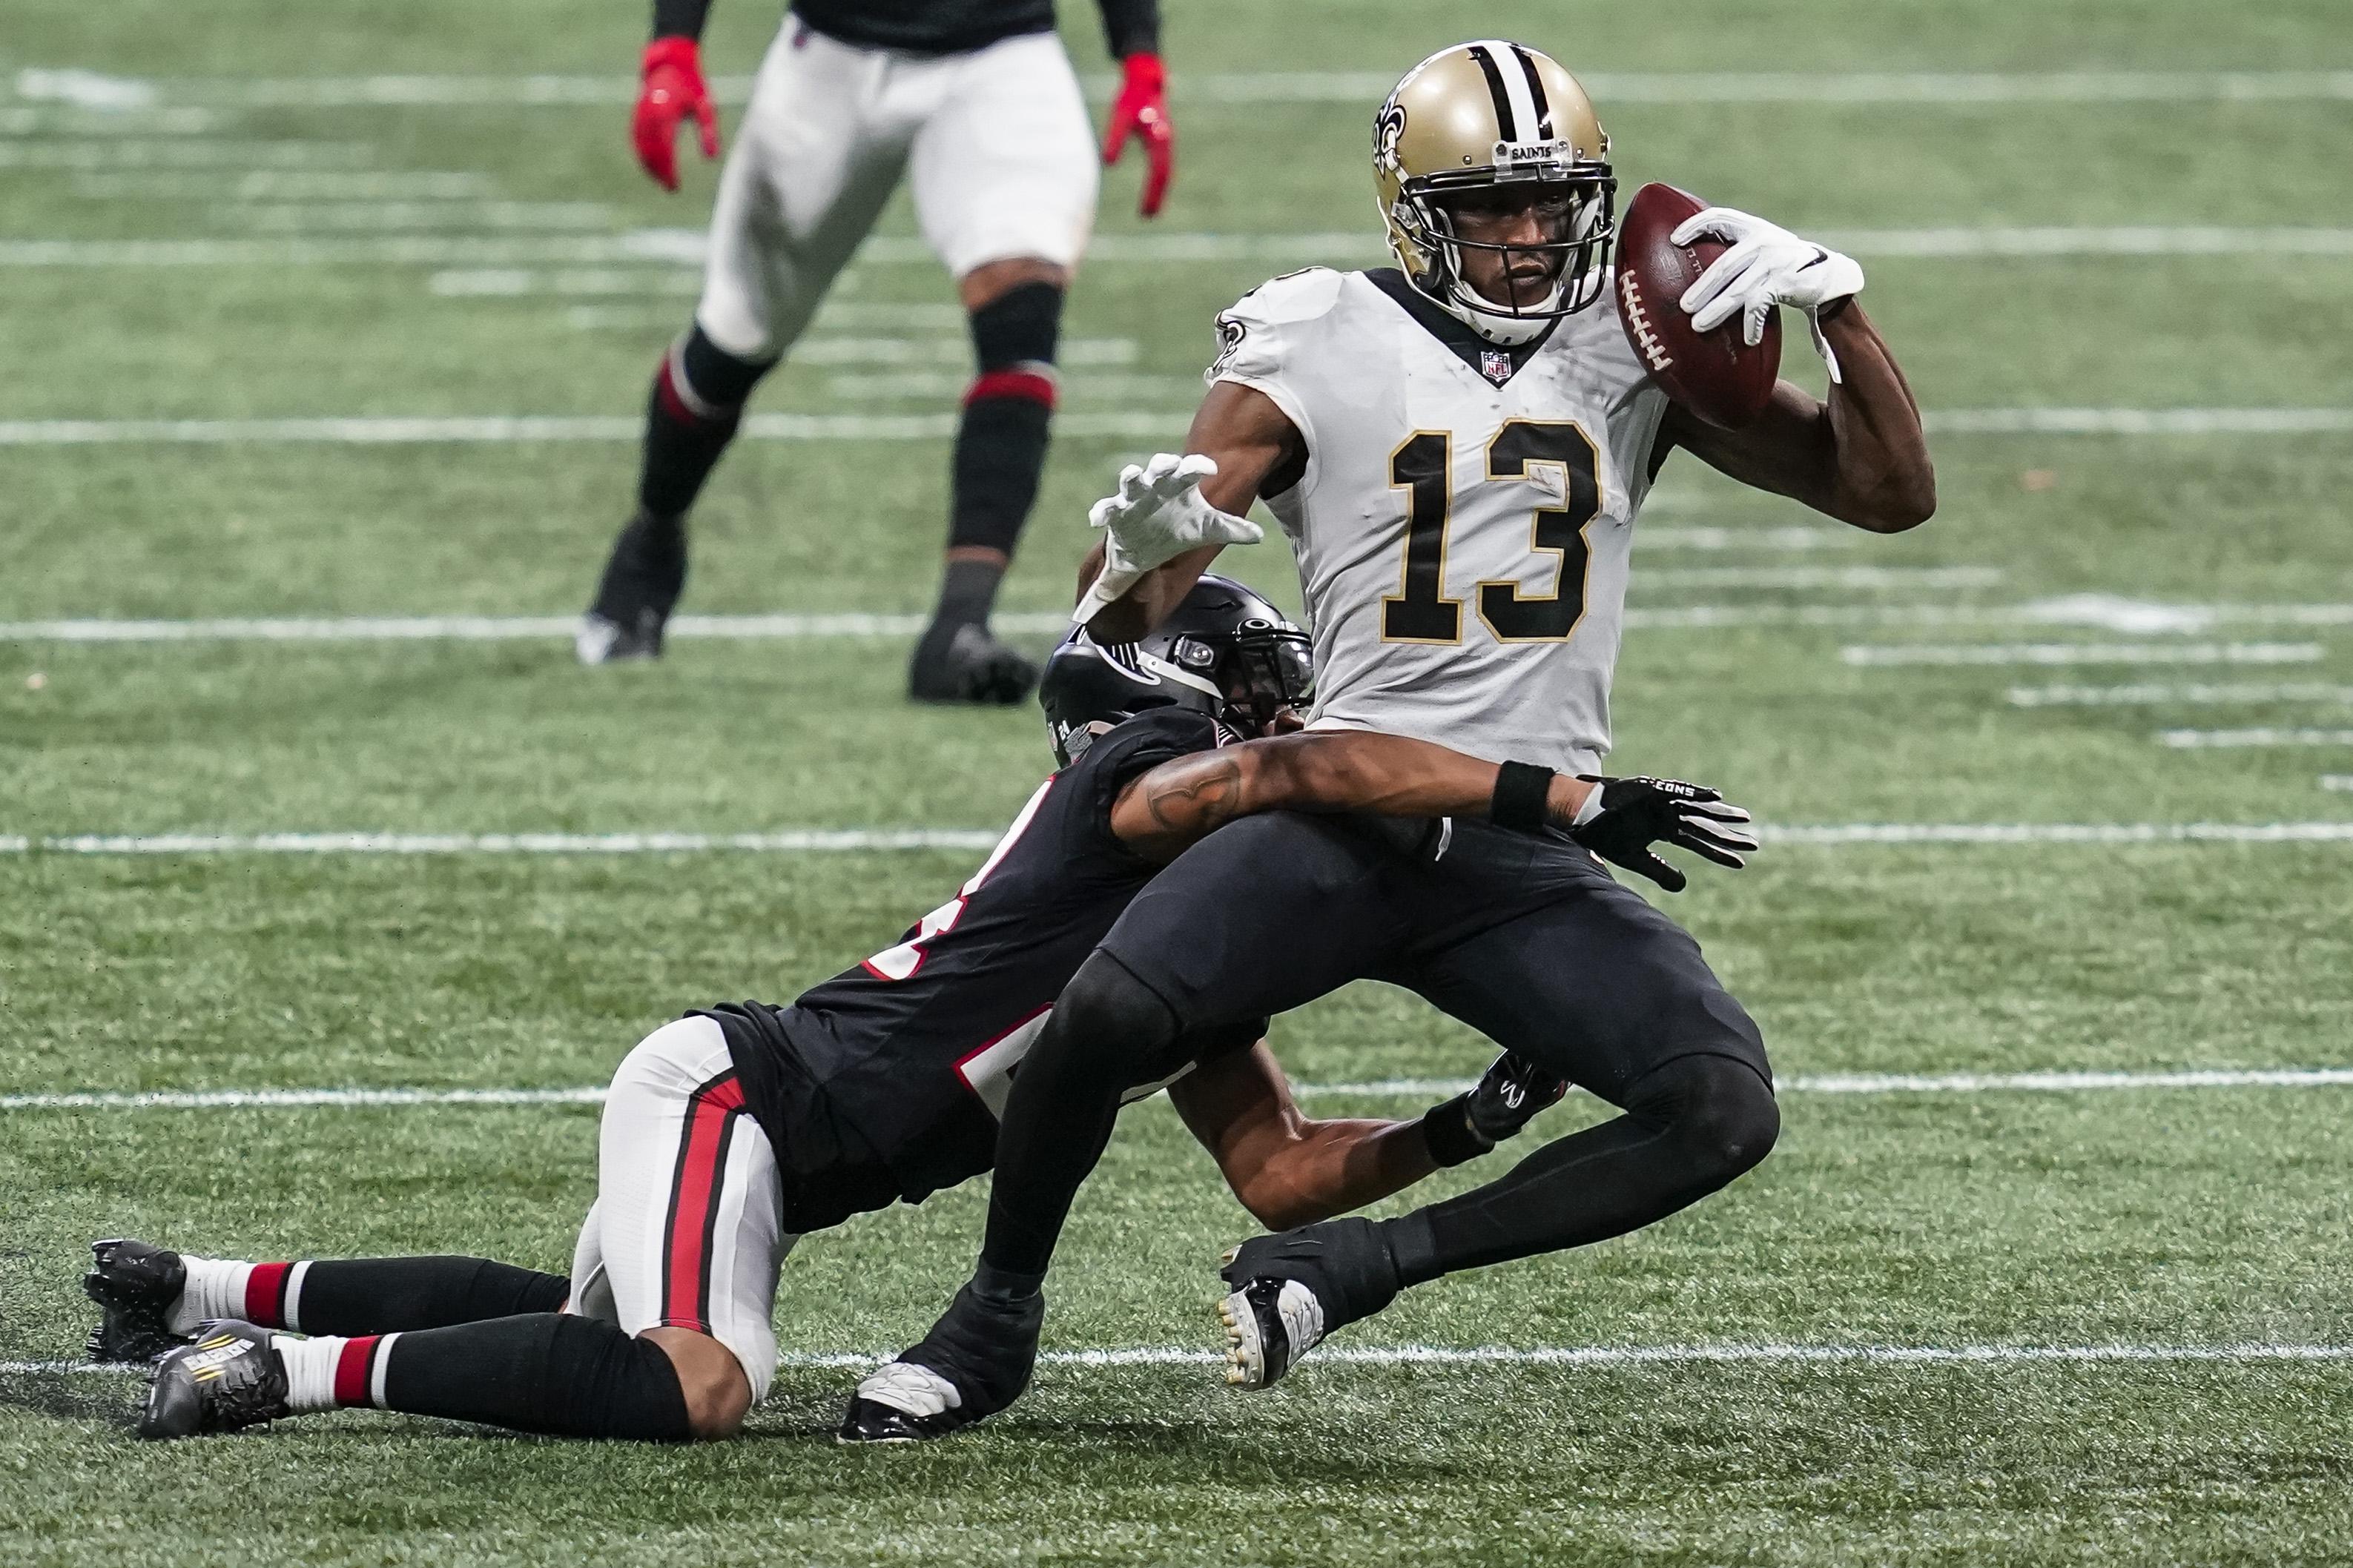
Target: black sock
697, 401
545, 1372
1105, 1033
1000, 450
968, 593
1690, 1127
393, 1295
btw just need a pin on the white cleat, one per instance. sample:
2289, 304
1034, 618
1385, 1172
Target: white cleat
1270, 1324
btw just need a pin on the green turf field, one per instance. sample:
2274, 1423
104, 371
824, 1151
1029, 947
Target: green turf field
1960, 1316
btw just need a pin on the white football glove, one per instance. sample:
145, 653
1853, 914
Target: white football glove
1157, 515
1767, 265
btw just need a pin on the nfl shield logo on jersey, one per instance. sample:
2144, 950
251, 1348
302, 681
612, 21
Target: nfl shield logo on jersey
1495, 365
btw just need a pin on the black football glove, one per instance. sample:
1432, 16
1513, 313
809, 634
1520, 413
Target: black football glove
1637, 813
1502, 1102
1509, 1095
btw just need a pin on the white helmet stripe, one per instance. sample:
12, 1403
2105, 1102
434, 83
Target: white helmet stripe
1515, 106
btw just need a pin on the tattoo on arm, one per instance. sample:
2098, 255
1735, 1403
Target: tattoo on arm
1199, 797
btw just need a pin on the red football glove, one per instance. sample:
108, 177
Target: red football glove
1142, 110
673, 89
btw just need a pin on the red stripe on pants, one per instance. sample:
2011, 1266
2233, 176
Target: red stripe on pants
354, 1363
265, 1294
695, 1203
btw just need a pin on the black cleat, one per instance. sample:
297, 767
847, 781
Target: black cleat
1291, 1291
902, 1403
640, 586
135, 1285
976, 1361
964, 662
229, 1378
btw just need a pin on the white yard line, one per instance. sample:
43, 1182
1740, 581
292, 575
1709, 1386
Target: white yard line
1798, 537
130, 152
1379, 1089
2336, 780
289, 184
2156, 695
809, 841
1860, 578
506, 430
788, 625
1341, 247
831, 841
383, 216
1998, 833
2125, 1354
408, 430
1881, 655
2211, 740
52, 120
1361, 88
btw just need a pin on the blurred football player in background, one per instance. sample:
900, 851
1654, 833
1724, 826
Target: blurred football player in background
974, 100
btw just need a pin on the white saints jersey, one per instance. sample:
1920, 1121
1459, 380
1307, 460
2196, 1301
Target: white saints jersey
1463, 522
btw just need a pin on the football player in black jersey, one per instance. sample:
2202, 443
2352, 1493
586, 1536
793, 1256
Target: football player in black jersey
973, 100
732, 1132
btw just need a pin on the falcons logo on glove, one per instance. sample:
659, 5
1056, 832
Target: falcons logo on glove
1623, 818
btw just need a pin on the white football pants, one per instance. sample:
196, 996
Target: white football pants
997, 143
685, 1231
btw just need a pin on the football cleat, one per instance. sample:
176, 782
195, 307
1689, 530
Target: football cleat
135, 1285
1291, 1291
965, 663
903, 1402
1270, 1324
635, 596
228, 1379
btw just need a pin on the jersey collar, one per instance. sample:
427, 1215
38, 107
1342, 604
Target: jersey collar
1494, 362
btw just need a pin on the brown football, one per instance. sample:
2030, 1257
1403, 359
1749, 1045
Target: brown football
1714, 374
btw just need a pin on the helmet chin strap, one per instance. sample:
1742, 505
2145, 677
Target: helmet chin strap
1506, 331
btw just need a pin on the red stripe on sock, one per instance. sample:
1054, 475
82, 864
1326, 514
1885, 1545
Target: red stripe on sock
353, 1364
1027, 386
666, 390
265, 1294
695, 1196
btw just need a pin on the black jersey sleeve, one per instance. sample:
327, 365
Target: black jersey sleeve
680, 18
1131, 749
1131, 27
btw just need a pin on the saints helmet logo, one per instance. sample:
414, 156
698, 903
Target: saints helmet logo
1388, 126
1230, 333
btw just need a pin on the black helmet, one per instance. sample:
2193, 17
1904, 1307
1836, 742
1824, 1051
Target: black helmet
1224, 651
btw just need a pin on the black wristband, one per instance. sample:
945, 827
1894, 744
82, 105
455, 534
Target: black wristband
1448, 1130
1521, 789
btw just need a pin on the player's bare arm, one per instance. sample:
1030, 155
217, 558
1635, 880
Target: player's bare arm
1163, 811
1285, 1168
1860, 456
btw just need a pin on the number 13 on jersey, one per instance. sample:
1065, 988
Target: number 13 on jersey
1422, 467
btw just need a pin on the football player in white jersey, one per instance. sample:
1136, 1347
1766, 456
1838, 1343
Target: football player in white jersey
1458, 448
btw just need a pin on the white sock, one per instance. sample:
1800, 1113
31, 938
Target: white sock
309, 1371
215, 1288
315, 1366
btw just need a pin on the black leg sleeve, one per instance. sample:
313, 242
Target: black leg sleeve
1106, 1031
392, 1295
1691, 1126
547, 1372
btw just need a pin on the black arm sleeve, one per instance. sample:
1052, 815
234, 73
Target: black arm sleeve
685, 18
1130, 27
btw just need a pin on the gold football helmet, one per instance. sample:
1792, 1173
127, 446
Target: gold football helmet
1481, 116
